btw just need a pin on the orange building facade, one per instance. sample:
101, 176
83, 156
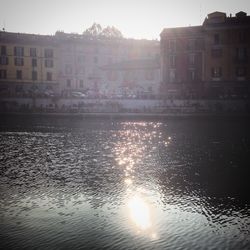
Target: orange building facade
207, 61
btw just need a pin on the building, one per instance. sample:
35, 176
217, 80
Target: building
39, 65
182, 57
133, 78
89, 63
28, 64
227, 57
207, 61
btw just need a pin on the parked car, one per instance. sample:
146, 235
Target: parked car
49, 93
78, 94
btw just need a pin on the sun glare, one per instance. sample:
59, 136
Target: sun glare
140, 213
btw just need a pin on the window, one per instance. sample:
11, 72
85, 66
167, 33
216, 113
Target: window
4, 60
81, 84
19, 61
172, 44
18, 51
34, 62
3, 50
191, 59
68, 69
216, 39
191, 44
172, 61
68, 83
191, 74
241, 71
48, 53
95, 59
19, 74
216, 53
243, 36
3, 74
216, 72
34, 75
33, 52
48, 63
81, 59
172, 75
241, 54
199, 43
82, 70
49, 76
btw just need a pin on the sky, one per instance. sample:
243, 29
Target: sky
141, 19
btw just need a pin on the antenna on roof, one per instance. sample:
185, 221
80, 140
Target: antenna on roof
3, 25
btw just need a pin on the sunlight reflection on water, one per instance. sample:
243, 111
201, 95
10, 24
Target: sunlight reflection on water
139, 212
129, 154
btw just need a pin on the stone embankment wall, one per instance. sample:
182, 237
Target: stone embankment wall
122, 105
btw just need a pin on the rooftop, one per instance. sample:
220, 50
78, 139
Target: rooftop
188, 31
24, 38
219, 19
213, 20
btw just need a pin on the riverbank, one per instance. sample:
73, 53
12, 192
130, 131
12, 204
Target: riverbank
123, 106
116, 115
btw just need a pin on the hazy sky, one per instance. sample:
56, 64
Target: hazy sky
134, 18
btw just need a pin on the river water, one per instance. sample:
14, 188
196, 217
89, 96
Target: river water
124, 184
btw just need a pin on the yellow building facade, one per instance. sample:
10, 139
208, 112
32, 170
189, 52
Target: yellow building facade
28, 63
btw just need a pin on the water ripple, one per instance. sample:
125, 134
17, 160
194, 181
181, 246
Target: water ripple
124, 185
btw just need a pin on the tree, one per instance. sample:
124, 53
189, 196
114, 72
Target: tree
94, 30
97, 31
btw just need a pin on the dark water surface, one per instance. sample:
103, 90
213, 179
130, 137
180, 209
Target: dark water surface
124, 184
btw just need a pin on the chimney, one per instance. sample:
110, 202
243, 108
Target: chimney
241, 14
